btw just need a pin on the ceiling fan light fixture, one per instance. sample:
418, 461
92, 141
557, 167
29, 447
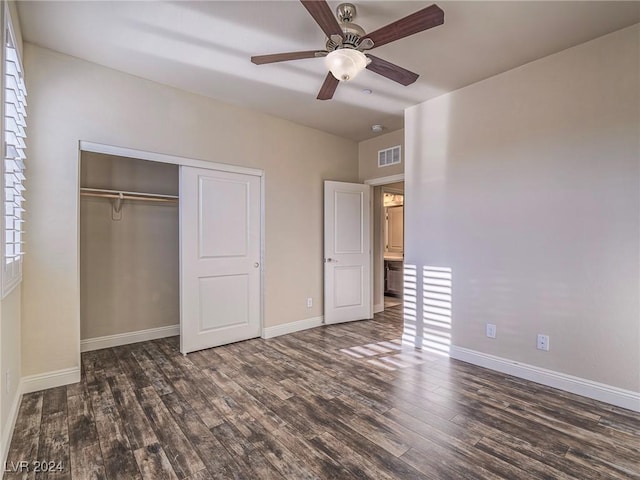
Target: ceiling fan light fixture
346, 63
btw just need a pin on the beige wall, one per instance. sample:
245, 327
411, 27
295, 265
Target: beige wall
399, 186
526, 185
128, 174
72, 100
368, 156
129, 276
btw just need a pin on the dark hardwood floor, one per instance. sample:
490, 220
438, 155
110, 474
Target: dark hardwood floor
343, 402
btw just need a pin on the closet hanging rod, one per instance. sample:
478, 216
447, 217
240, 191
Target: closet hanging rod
152, 197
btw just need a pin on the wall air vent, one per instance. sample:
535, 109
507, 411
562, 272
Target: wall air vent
390, 156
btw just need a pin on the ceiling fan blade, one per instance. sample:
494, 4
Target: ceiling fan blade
391, 71
283, 57
324, 17
416, 22
328, 87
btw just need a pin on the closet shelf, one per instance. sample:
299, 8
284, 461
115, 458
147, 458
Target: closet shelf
122, 195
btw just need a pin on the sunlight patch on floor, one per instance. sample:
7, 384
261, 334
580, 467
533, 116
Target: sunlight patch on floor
388, 355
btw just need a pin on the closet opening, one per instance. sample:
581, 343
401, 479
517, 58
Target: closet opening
168, 246
129, 250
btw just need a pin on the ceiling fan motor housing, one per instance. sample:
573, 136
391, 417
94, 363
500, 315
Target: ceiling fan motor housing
352, 32
350, 40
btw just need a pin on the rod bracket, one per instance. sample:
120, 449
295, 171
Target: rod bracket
116, 204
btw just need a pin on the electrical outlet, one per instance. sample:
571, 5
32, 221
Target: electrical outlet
309, 302
7, 381
491, 330
543, 342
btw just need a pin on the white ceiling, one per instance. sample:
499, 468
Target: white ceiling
205, 46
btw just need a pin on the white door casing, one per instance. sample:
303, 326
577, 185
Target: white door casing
220, 263
347, 252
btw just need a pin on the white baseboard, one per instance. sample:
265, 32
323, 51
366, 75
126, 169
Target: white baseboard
7, 433
379, 307
580, 386
57, 378
292, 327
118, 339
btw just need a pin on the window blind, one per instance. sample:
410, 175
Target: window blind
15, 103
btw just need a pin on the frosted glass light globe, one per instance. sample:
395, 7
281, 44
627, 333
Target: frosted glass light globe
346, 63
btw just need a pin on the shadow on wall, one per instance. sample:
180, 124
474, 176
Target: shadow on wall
429, 292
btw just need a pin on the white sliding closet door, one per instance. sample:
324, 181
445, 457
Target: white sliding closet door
220, 284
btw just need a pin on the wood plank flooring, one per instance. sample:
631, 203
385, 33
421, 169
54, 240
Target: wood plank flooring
336, 402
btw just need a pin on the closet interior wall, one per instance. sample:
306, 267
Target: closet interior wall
129, 266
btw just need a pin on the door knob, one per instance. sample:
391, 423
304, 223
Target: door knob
256, 265
330, 260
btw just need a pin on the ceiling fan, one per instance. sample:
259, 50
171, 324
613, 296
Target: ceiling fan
347, 41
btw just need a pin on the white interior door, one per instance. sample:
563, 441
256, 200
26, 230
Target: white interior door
347, 252
220, 279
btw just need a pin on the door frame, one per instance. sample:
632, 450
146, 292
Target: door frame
377, 182
92, 147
